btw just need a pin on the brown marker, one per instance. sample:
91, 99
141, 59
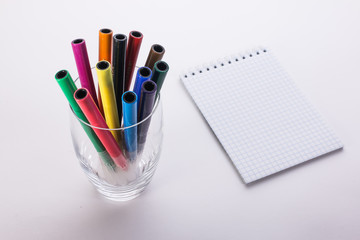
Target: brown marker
156, 54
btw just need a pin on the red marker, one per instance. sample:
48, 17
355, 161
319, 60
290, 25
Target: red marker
92, 113
132, 52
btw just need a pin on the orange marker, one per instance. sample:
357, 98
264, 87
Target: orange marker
105, 44
105, 50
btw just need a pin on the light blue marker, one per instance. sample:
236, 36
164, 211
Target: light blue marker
129, 103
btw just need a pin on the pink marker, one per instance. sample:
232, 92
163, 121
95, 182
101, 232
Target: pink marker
92, 113
83, 67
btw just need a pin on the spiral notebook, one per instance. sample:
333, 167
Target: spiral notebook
260, 117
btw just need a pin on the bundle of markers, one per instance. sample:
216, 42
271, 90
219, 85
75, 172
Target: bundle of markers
115, 105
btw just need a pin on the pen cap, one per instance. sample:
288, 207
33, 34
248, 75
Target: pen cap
129, 100
147, 100
68, 87
156, 54
106, 85
118, 62
160, 70
132, 52
83, 97
143, 74
149, 87
83, 66
118, 68
119, 38
103, 70
105, 44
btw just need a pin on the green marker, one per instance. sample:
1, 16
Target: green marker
68, 87
159, 73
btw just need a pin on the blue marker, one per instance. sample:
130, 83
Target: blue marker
143, 74
129, 104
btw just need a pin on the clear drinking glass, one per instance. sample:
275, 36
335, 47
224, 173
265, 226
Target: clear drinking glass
111, 181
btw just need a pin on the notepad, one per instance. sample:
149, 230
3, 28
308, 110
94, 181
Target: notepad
262, 120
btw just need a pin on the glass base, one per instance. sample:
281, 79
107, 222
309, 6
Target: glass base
122, 193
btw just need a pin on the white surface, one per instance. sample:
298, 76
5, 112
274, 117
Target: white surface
262, 120
196, 193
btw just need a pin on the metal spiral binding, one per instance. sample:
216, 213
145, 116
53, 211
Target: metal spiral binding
223, 62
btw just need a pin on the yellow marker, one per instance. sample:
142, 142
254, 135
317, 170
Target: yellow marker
103, 69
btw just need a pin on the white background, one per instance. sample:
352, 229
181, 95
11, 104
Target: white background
196, 193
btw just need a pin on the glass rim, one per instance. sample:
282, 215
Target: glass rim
157, 101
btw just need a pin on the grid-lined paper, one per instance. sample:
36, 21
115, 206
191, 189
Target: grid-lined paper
258, 114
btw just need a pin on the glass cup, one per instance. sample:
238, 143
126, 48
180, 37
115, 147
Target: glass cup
112, 181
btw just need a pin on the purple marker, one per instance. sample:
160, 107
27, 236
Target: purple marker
147, 100
83, 67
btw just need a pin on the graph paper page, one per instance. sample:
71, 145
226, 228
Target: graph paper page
260, 117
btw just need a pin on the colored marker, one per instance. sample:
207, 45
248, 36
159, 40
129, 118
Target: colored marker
105, 49
143, 74
92, 113
132, 53
83, 67
118, 63
156, 54
105, 44
129, 100
161, 68
106, 85
147, 101
68, 87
